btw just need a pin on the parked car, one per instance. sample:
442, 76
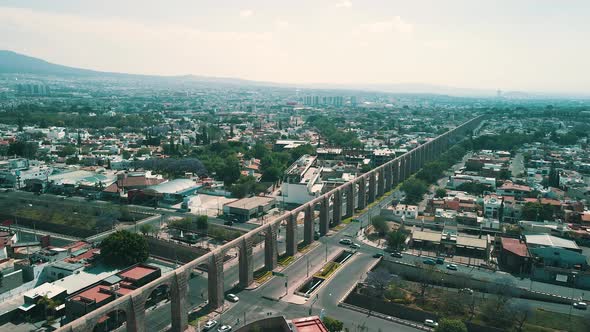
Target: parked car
440, 260
355, 220
209, 325
316, 235
397, 254
452, 267
430, 322
229, 223
429, 261
580, 305
224, 328
346, 241
378, 255
466, 291
232, 298
354, 246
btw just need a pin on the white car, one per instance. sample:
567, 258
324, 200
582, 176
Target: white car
346, 241
209, 325
232, 298
430, 322
224, 328
580, 305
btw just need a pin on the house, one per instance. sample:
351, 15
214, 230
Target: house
514, 255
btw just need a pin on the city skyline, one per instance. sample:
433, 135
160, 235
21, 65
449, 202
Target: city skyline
533, 46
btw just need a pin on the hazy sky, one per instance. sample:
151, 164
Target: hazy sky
532, 45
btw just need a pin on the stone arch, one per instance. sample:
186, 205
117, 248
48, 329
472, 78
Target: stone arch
111, 321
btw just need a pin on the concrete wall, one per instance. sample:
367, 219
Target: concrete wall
172, 251
11, 280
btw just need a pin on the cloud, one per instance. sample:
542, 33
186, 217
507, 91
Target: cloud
344, 4
125, 45
395, 25
246, 13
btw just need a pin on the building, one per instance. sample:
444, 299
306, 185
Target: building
107, 290
15, 173
248, 208
173, 191
492, 206
560, 266
545, 240
302, 181
514, 255
31, 306
281, 324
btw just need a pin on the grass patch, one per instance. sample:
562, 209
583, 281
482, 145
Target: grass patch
285, 260
347, 221
303, 248
196, 321
339, 227
327, 270
262, 276
542, 320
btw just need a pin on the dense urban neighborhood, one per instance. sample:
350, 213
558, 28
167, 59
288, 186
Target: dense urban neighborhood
155, 204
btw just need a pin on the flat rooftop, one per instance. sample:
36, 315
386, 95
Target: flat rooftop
250, 202
137, 272
426, 236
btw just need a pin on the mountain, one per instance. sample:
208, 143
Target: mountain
16, 63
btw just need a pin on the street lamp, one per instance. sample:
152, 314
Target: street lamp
573, 289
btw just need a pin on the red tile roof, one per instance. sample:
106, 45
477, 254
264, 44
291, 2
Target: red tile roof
515, 246
309, 324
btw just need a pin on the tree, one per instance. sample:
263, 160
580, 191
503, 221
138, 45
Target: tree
333, 325
380, 225
396, 239
450, 325
440, 193
379, 279
414, 190
202, 223
520, 314
146, 229
49, 306
124, 248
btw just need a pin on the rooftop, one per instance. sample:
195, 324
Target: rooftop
515, 246
550, 241
309, 324
250, 202
137, 272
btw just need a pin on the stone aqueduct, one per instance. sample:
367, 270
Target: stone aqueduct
357, 193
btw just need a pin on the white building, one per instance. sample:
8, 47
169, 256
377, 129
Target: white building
302, 181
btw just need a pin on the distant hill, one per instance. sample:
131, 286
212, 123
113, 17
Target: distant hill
16, 63
12, 62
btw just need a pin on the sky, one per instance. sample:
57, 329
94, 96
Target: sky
524, 45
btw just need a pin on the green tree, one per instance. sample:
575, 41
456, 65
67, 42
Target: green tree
450, 325
230, 172
332, 324
440, 192
380, 225
146, 229
202, 222
396, 239
414, 190
124, 248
